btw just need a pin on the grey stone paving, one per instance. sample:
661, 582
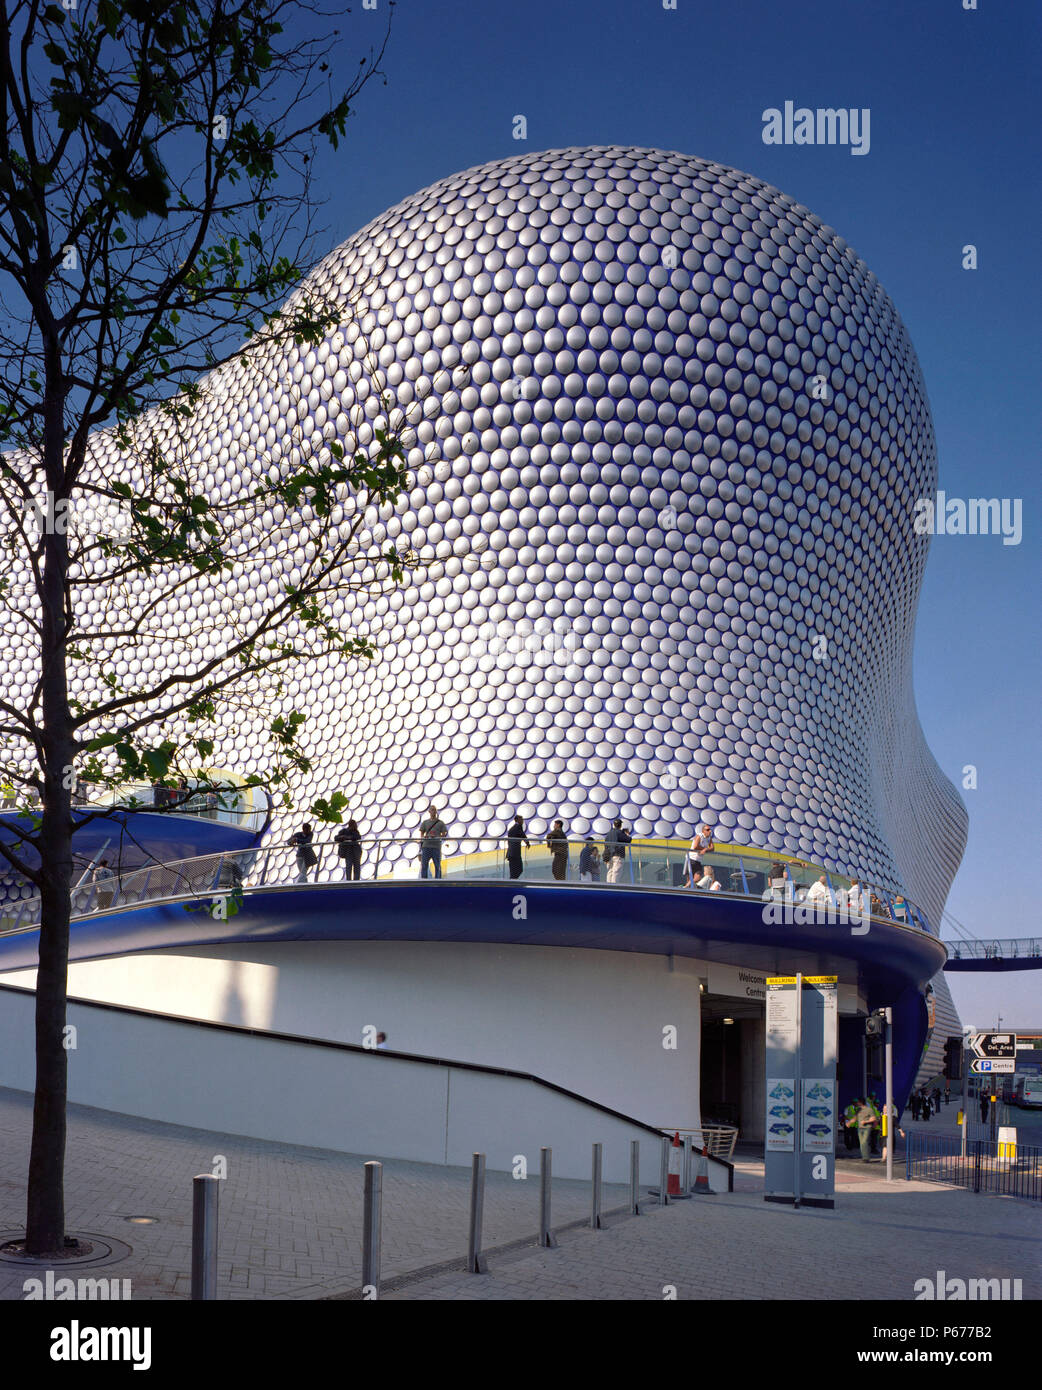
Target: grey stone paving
873, 1246
290, 1226
290, 1217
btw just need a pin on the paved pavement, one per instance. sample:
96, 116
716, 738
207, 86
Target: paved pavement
290, 1217
290, 1226
873, 1246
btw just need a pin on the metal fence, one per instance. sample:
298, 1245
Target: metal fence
982, 1164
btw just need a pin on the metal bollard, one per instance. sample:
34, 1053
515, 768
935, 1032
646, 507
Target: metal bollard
205, 1188
546, 1236
634, 1177
595, 1209
476, 1262
372, 1215
663, 1189
687, 1183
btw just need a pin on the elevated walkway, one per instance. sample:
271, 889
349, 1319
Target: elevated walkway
1009, 953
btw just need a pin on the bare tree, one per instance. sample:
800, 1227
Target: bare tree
156, 197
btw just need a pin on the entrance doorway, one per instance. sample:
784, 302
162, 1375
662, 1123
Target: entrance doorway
732, 1074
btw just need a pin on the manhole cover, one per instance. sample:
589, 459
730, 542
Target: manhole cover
92, 1250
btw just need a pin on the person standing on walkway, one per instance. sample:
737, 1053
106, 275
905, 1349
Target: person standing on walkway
515, 838
306, 856
925, 1104
432, 832
983, 1108
557, 843
104, 878
589, 863
349, 847
615, 843
866, 1121
701, 843
947, 1094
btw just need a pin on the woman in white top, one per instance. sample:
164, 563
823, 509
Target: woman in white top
708, 883
702, 843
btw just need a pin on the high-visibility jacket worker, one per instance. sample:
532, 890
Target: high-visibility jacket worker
877, 1128
866, 1121
850, 1126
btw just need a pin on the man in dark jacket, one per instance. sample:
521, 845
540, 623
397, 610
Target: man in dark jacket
615, 843
349, 847
516, 837
557, 841
306, 856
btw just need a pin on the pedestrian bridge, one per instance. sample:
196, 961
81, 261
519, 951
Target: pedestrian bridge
1009, 953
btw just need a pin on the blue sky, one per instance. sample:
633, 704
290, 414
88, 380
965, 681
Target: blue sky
954, 161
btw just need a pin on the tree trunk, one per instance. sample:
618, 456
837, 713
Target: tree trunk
45, 1208
45, 1212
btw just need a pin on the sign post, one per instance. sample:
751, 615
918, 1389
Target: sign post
889, 1123
800, 1129
965, 1098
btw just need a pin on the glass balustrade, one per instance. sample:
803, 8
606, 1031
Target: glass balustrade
727, 872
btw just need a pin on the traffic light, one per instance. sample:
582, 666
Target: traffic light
874, 1025
953, 1059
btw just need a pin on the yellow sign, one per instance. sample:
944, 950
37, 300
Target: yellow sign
807, 979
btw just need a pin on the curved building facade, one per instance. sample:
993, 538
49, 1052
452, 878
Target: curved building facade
663, 506
667, 433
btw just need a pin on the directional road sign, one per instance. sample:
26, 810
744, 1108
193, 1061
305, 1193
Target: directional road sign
994, 1045
992, 1066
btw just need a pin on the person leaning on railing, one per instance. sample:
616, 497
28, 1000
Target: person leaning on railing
349, 848
777, 879
589, 863
701, 843
819, 893
515, 838
615, 843
432, 832
104, 875
557, 843
306, 856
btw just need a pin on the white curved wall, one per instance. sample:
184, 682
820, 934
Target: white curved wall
296, 1093
591, 1021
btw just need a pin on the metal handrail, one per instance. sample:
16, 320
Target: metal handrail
1008, 948
644, 863
719, 1139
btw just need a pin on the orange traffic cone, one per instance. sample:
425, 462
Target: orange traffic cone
673, 1190
701, 1187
